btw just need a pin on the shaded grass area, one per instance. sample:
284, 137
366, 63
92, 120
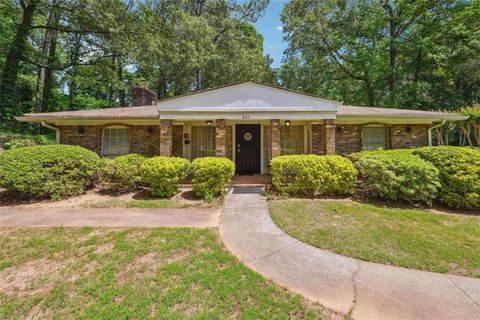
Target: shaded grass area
411, 238
164, 273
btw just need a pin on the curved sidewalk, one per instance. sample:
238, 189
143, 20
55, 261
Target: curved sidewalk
363, 289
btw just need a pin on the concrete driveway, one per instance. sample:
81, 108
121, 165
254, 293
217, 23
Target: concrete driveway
108, 217
362, 289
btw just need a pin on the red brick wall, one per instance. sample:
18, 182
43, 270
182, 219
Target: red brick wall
349, 137
143, 139
166, 138
329, 137
317, 138
177, 141
401, 137
275, 137
91, 139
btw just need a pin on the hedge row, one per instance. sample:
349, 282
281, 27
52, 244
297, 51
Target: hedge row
448, 174
59, 171
312, 174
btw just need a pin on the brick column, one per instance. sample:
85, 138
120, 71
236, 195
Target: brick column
275, 137
317, 138
220, 142
166, 138
329, 134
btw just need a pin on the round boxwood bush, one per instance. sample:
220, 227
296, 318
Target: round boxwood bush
122, 174
54, 171
210, 176
163, 174
459, 169
313, 174
397, 175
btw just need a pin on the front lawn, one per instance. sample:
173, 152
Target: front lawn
99, 273
409, 238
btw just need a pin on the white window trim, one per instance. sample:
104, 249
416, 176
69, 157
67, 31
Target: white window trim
116, 127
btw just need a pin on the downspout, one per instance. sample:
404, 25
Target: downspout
57, 130
433, 127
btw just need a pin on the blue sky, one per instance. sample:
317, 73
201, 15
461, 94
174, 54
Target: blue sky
270, 26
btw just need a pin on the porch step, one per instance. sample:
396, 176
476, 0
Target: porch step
247, 189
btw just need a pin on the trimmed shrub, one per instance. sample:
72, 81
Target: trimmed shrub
122, 173
163, 174
313, 174
397, 175
210, 176
56, 171
459, 169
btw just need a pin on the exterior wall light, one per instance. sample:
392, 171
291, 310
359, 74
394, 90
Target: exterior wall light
287, 123
209, 123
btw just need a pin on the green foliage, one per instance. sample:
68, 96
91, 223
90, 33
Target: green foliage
459, 174
55, 171
210, 176
312, 174
10, 140
401, 53
122, 173
397, 175
163, 174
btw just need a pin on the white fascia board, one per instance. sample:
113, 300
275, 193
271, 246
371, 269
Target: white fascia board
392, 119
247, 115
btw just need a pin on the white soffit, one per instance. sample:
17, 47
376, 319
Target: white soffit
246, 97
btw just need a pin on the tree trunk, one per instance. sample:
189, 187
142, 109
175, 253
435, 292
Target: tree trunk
199, 79
72, 86
44, 76
15, 55
121, 91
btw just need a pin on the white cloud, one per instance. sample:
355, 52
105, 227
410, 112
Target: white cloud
279, 28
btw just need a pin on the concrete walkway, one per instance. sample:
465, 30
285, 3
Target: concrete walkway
363, 289
108, 217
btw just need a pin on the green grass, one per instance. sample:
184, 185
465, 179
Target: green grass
404, 237
161, 273
150, 203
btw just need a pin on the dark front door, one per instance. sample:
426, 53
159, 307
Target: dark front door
247, 143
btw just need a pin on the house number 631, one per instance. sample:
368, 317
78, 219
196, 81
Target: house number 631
245, 116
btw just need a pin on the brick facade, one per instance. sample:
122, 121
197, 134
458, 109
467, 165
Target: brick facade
408, 136
166, 138
90, 139
143, 97
348, 139
143, 139
329, 136
220, 138
275, 137
151, 140
317, 138
177, 141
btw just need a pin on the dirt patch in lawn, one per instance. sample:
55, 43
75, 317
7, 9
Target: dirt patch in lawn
146, 265
100, 199
21, 278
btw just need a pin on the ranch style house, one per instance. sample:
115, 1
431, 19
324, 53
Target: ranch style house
249, 123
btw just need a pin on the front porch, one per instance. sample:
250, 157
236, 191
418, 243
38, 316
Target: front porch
250, 144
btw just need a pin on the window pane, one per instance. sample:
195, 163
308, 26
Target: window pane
375, 138
292, 140
116, 141
203, 142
